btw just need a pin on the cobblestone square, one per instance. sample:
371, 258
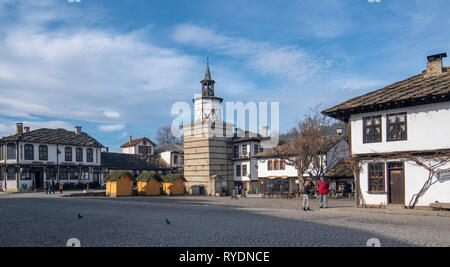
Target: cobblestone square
38, 220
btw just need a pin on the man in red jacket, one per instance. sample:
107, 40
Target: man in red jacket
323, 186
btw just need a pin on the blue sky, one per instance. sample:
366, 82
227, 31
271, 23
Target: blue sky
116, 67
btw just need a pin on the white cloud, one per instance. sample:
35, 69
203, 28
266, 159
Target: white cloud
8, 127
267, 59
85, 74
355, 83
111, 128
112, 114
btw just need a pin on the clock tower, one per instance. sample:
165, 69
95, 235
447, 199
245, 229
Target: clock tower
208, 106
208, 168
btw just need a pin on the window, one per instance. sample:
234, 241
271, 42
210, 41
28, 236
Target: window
85, 174
68, 154
282, 165
372, 129
63, 173
244, 170
276, 165
89, 155
175, 159
236, 152
145, 142
244, 150
25, 174
79, 155
11, 152
145, 150
50, 173
11, 174
376, 177
1, 154
396, 127
238, 170
256, 149
74, 174
29, 152
269, 165
43, 153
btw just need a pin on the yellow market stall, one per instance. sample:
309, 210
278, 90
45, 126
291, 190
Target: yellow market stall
119, 184
173, 184
149, 184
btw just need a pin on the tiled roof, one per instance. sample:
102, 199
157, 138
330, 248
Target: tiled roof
330, 140
172, 147
341, 169
248, 136
120, 161
416, 90
135, 141
54, 136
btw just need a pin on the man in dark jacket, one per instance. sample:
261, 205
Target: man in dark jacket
51, 185
323, 187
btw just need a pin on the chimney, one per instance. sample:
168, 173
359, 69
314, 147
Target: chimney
131, 139
107, 149
26, 129
434, 65
77, 129
265, 132
19, 128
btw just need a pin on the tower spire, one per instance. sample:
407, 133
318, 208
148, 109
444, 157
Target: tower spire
208, 72
207, 82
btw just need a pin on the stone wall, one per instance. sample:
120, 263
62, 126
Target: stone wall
207, 157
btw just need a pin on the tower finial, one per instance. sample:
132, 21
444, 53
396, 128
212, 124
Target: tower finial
208, 72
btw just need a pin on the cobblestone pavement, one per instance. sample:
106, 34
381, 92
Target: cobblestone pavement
203, 221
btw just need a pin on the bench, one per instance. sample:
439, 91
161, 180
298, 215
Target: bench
442, 206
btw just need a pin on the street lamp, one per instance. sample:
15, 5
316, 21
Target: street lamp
340, 130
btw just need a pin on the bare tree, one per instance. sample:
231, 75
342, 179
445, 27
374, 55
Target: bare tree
433, 162
307, 145
329, 151
433, 165
164, 136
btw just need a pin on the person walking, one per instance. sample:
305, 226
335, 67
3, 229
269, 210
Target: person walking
347, 189
61, 187
46, 184
307, 188
323, 187
51, 185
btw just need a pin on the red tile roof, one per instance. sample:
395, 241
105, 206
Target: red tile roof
136, 141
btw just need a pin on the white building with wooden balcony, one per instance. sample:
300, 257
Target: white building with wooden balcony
31, 157
400, 138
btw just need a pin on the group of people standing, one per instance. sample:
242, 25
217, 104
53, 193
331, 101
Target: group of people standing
50, 186
323, 186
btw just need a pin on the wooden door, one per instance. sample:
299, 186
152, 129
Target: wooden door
396, 187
